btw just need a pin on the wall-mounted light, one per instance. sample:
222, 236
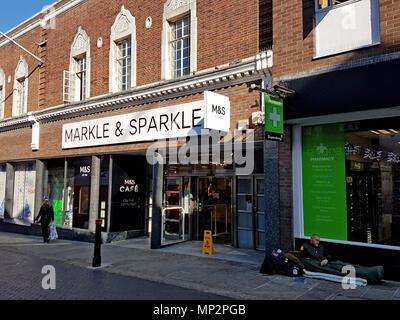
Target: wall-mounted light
278, 91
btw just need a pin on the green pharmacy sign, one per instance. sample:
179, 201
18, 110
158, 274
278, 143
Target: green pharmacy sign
324, 182
273, 118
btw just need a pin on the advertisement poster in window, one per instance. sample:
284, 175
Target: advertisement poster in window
324, 182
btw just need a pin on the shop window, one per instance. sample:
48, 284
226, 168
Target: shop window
351, 181
179, 39
78, 190
128, 199
24, 193
123, 52
54, 189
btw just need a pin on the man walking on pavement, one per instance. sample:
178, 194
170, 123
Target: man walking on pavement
45, 217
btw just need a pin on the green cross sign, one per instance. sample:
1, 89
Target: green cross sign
274, 118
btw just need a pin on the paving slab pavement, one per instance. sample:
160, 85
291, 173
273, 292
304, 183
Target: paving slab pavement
230, 272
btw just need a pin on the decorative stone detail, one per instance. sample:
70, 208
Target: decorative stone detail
22, 69
80, 44
175, 4
2, 76
226, 76
123, 24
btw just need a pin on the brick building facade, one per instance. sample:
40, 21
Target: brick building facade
131, 59
341, 58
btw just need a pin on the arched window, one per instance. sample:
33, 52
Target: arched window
123, 52
20, 95
179, 39
77, 79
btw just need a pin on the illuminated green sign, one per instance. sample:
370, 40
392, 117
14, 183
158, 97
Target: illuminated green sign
274, 129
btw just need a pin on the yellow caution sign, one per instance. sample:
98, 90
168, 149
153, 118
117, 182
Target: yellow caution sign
208, 247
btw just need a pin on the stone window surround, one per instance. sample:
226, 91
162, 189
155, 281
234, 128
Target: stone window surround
21, 72
173, 10
80, 47
123, 28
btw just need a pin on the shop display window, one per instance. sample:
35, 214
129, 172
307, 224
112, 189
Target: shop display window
54, 189
351, 181
78, 189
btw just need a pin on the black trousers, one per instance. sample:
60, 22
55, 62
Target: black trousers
45, 231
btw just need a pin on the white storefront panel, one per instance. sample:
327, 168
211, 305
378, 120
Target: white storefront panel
24, 193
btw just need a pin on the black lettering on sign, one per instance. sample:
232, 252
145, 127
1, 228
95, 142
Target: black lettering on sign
153, 124
76, 135
164, 123
133, 126
91, 133
218, 110
68, 135
84, 133
105, 130
183, 121
194, 118
173, 120
142, 124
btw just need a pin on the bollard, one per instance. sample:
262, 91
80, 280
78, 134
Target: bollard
97, 245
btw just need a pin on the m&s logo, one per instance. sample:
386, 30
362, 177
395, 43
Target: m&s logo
218, 110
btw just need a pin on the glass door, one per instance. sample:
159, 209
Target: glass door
245, 212
173, 214
260, 212
251, 212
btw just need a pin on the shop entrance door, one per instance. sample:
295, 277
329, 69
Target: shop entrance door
251, 212
215, 208
174, 213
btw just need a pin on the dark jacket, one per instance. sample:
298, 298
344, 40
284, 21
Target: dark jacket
46, 214
312, 252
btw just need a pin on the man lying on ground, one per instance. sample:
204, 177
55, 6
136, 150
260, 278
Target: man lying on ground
314, 258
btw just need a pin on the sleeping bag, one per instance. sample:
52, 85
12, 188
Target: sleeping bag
372, 274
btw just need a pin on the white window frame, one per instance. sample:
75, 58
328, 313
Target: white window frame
80, 48
173, 40
20, 78
297, 164
173, 11
2, 92
124, 28
124, 84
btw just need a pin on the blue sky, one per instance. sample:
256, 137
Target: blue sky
13, 12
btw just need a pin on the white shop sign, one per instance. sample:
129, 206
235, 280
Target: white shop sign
177, 121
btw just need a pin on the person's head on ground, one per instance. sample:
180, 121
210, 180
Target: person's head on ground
314, 240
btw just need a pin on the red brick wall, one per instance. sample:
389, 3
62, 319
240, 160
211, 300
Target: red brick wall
227, 30
294, 37
9, 57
